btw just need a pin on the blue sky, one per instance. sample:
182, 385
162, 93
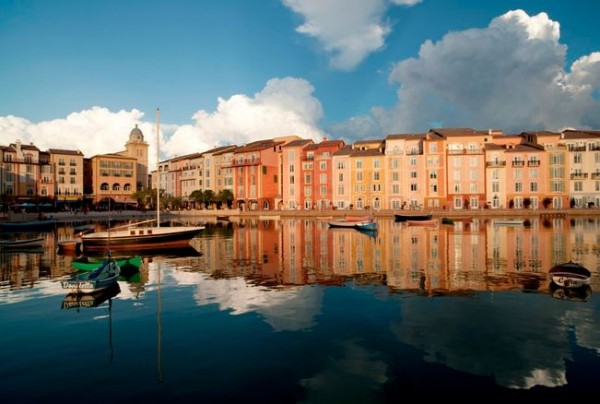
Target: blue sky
80, 74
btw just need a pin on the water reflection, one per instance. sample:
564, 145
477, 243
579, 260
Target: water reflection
431, 293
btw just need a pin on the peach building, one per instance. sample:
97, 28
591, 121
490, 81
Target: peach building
67, 166
292, 157
341, 181
367, 174
257, 173
113, 177
316, 174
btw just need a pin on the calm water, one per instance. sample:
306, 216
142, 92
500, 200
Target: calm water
290, 311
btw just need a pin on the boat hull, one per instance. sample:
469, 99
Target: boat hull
570, 275
398, 217
104, 276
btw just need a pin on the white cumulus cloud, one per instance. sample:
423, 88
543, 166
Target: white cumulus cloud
284, 107
347, 30
510, 75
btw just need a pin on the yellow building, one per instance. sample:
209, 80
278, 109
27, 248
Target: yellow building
67, 166
113, 177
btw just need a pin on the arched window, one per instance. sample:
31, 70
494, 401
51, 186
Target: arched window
116, 187
127, 187
104, 186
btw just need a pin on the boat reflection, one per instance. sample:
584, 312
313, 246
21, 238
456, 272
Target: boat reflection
581, 294
89, 300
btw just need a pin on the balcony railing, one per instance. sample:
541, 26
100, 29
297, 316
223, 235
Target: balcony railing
579, 176
495, 163
246, 162
533, 163
595, 176
518, 163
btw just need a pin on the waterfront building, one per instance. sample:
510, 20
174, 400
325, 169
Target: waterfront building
435, 171
21, 168
217, 174
112, 178
293, 156
257, 173
401, 192
465, 169
367, 174
63, 180
583, 149
316, 174
137, 148
553, 167
341, 181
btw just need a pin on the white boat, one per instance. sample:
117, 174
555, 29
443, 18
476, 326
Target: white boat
140, 235
355, 222
104, 276
570, 275
509, 222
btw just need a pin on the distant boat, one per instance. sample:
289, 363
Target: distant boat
355, 222
425, 223
22, 243
403, 217
34, 225
508, 222
105, 275
570, 275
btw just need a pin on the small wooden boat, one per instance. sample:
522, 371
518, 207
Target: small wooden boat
570, 275
403, 217
34, 225
425, 223
91, 263
508, 222
105, 275
355, 222
22, 243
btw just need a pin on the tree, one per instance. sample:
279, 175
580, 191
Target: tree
225, 196
208, 197
546, 202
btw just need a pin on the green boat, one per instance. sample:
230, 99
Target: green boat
90, 263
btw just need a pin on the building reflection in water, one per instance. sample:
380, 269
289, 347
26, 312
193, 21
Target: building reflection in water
467, 255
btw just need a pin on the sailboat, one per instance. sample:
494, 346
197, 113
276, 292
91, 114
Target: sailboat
142, 235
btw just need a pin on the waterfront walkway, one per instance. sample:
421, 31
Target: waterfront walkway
212, 214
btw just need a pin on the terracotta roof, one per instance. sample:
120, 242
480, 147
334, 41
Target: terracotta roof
401, 136
297, 143
220, 149
581, 134
365, 153
187, 157
344, 151
63, 151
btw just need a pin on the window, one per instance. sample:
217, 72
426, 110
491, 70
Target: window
376, 163
578, 186
323, 165
518, 187
359, 176
413, 187
533, 187
577, 159
359, 164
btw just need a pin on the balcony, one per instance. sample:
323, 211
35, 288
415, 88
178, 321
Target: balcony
533, 163
579, 176
495, 164
595, 176
518, 163
575, 148
246, 162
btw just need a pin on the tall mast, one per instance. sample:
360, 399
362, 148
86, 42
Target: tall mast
157, 164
